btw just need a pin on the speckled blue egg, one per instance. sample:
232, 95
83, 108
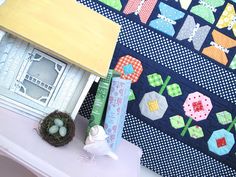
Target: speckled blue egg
63, 131
53, 129
58, 122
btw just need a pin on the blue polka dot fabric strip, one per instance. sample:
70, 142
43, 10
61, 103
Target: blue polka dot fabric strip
175, 106
164, 154
170, 157
182, 108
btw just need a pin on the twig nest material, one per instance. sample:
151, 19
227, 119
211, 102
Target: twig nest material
57, 129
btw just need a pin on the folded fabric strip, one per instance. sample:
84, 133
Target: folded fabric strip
116, 109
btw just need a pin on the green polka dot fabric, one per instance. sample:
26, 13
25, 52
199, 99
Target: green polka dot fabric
233, 63
224, 117
174, 90
196, 132
131, 95
177, 122
155, 80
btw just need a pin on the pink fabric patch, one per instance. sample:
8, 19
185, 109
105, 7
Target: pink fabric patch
145, 11
197, 106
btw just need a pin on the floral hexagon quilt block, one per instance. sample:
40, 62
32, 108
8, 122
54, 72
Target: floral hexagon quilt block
221, 142
153, 105
197, 106
129, 67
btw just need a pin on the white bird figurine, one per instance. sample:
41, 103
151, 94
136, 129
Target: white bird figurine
96, 143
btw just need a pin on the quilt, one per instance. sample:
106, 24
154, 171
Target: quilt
181, 58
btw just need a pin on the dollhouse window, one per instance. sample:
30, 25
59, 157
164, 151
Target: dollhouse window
38, 77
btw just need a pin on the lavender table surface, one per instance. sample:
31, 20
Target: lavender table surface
20, 141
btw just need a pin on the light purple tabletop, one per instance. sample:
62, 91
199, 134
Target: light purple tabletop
20, 141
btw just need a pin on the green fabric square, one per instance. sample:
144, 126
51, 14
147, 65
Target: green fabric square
195, 132
131, 95
155, 80
177, 122
224, 117
233, 63
116, 4
174, 90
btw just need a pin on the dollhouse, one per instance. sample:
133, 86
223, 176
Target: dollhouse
35, 83
48, 62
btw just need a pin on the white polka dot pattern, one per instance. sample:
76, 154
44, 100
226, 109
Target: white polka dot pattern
164, 154
154, 46
170, 157
87, 106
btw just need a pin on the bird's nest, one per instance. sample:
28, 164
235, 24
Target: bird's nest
56, 139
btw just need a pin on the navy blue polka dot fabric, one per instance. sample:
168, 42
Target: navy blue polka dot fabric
167, 150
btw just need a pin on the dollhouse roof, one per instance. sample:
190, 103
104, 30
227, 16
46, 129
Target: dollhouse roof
65, 29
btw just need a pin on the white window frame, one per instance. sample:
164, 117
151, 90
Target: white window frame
23, 75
